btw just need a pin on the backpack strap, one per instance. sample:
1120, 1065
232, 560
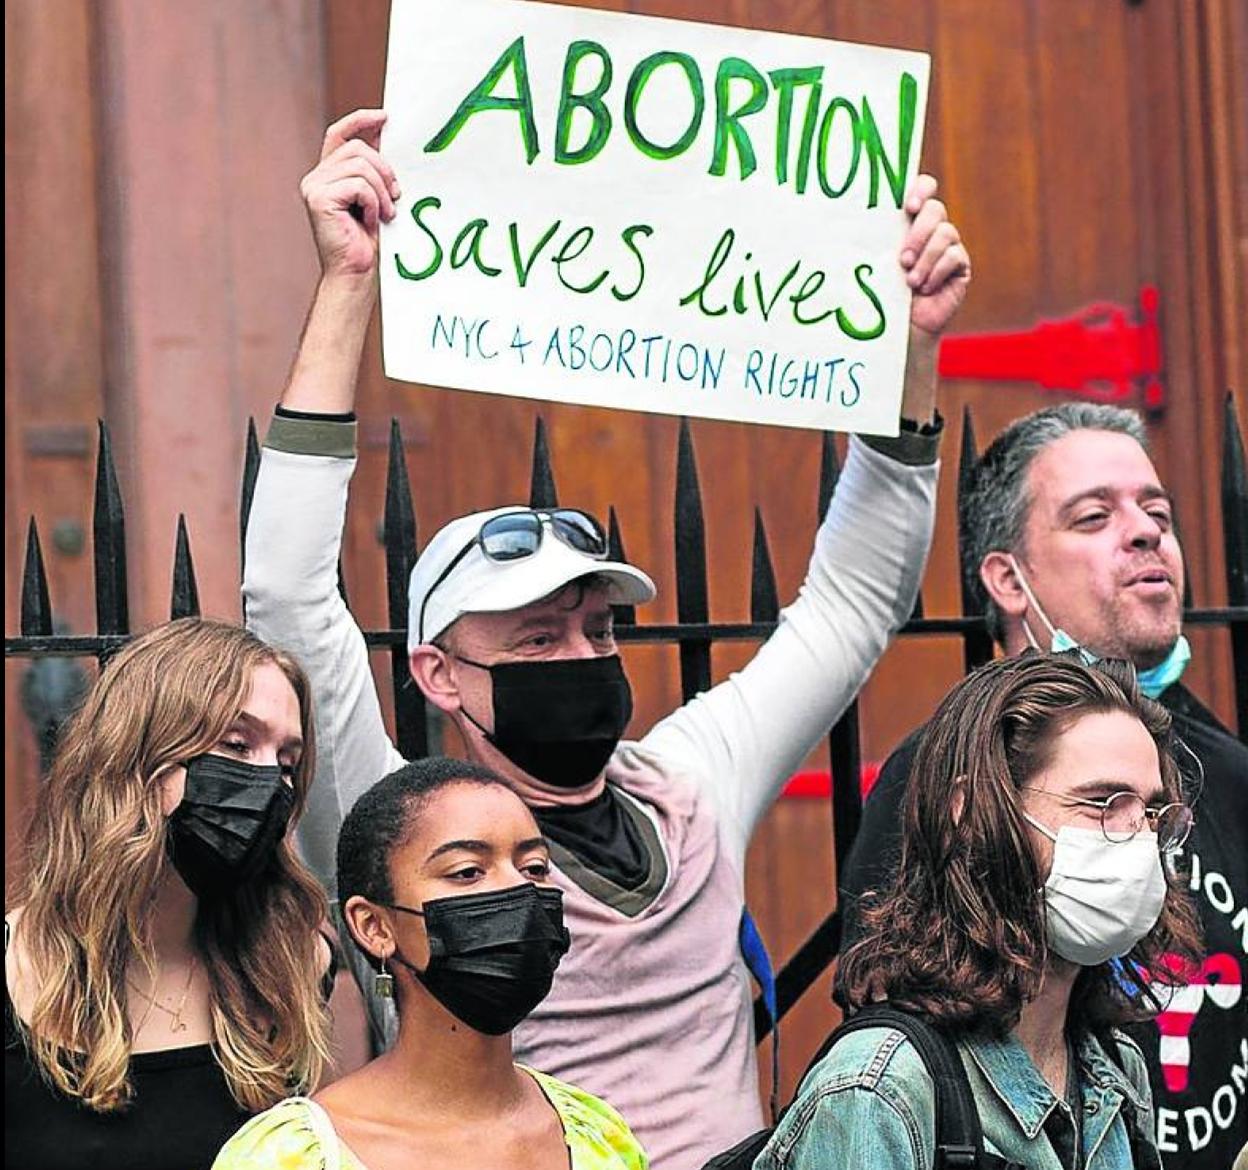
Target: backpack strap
959, 1136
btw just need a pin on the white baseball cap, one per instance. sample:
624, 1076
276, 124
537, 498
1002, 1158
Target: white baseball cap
453, 575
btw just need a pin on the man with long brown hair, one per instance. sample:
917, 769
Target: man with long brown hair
1069, 533
1030, 910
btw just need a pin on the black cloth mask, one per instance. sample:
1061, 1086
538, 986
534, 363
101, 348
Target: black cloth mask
561, 719
226, 830
492, 956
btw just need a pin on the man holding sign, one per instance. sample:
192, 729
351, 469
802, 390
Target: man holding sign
510, 636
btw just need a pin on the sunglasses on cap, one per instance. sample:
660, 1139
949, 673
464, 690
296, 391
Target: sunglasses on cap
513, 536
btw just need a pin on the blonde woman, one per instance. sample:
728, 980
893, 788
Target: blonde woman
162, 962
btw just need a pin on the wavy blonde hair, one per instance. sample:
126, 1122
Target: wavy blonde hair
97, 857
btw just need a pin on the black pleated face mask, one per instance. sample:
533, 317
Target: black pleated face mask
559, 720
227, 828
492, 956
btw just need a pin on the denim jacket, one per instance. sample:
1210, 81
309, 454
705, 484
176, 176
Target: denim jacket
868, 1105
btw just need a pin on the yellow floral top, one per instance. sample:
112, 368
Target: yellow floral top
297, 1134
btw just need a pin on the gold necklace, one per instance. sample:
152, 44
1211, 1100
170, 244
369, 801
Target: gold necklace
176, 1022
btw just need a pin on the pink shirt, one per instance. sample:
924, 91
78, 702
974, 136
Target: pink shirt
661, 998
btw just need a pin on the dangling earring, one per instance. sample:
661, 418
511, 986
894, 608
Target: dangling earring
383, 982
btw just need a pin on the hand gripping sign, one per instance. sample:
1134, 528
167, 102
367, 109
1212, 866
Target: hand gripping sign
648, 214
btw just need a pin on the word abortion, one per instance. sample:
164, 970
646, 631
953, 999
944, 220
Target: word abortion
838, 128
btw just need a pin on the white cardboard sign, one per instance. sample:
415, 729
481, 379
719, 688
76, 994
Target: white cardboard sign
648, 214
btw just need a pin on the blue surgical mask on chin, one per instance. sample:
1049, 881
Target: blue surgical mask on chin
1169, 670
1152, 681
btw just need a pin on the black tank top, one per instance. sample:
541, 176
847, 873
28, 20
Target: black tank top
181, 1114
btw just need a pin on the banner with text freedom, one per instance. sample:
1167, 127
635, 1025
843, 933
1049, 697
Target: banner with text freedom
648, 214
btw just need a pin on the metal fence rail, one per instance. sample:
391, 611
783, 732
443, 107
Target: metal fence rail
693, 633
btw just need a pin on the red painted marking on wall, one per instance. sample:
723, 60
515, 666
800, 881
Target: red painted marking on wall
817, 785
1097, 353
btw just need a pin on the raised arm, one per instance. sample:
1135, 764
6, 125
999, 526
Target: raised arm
745, 737
347, 195
294, 534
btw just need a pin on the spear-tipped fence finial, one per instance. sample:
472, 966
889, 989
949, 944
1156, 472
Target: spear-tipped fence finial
976, 644
764, 596
624, 615
112, 608
399, 534
251, 469
36, 608
542, 492
829, 473
184, 601
691, 593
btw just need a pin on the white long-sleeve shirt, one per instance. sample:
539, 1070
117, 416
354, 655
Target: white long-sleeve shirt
651, 1009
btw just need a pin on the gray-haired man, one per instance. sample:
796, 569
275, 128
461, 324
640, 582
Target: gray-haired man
1070, 536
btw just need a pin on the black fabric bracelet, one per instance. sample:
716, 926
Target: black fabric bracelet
315, 415
934, 427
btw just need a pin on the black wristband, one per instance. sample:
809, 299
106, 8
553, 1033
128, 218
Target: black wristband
315, 415
909, 426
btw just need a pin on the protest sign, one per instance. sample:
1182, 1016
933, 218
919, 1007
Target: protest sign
648, 214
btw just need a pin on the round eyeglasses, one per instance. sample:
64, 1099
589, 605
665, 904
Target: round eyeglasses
1124, 814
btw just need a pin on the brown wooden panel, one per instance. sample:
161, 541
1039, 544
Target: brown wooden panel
210, 114
52, 364
1088, 234
1224, 60
1171, 131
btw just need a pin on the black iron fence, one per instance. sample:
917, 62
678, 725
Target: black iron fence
693, 633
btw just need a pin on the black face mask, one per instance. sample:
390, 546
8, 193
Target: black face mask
492, 956
558, 720
227, 828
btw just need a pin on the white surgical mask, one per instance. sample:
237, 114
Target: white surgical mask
1101, 897
1151, 682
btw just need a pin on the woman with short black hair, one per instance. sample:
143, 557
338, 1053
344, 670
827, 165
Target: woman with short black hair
444, 881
